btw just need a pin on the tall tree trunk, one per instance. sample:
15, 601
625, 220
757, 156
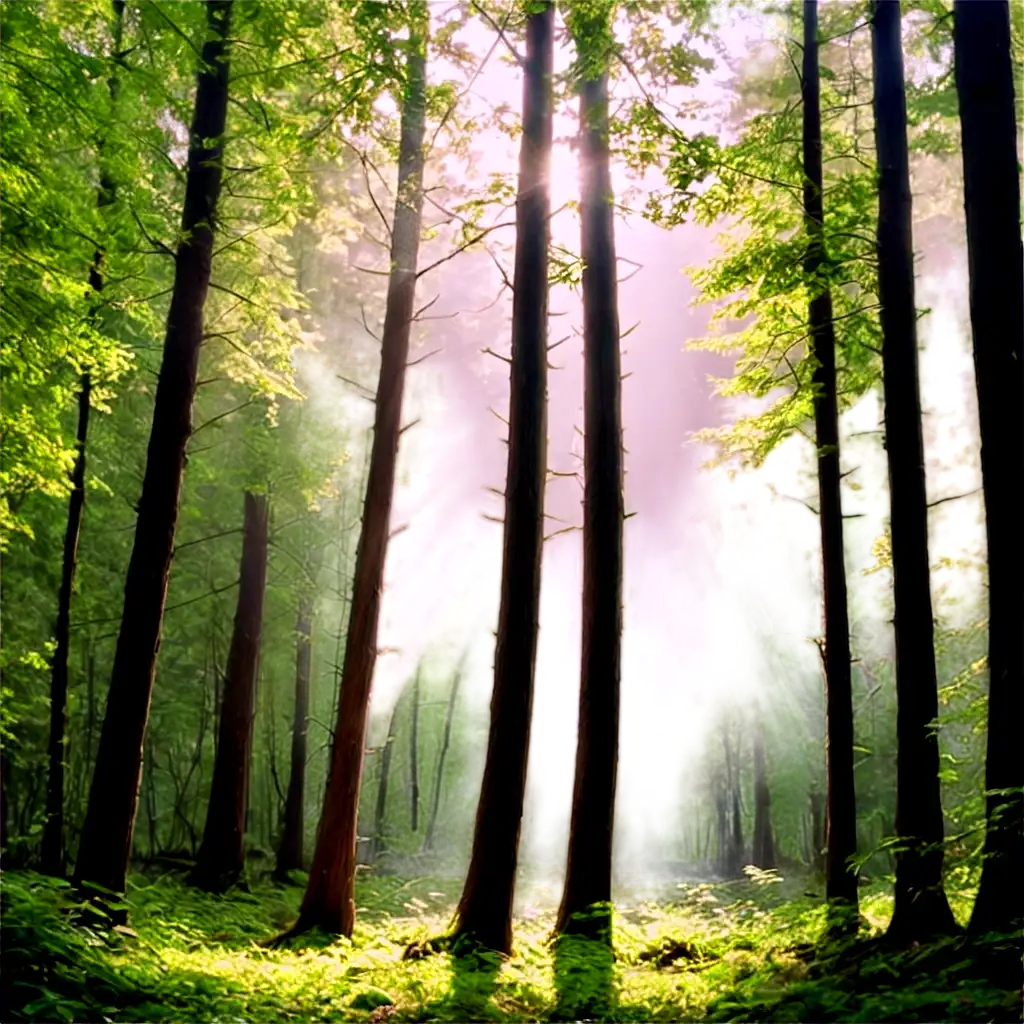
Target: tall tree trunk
53, 853
329, 901
106, 840
588, 877
817, 831
290, 852
221, 860
984, 82
920, 908
414, 755
736, 858
763, 854
840, 800
446, 739
485, 909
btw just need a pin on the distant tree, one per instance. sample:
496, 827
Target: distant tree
221, 860
840, 800
414, 754
763, 853
379, 842
106, 840
586, 899
290, 853
985, 87
921, 909
485, 909
442, 754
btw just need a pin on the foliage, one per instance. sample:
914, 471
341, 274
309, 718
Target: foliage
740, 951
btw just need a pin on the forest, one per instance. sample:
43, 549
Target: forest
461, 462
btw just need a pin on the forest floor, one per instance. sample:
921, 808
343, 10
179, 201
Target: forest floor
737, 951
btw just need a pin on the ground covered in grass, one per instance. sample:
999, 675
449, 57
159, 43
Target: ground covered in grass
742, 951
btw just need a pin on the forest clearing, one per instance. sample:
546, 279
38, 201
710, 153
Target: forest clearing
510, 510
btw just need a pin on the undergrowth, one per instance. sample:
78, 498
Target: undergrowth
742, 951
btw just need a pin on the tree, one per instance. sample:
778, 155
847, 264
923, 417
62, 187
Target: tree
329, 901
763, 854
586, 898
414, 755
221, 860
921, 909
840, 800
52, 854
290, 851
442, 754
379, 843
485, 908
106, 840
985, 88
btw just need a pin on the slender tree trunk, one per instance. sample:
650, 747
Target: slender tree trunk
446, 739
53, 853
764, 843
984, 81
290, 852
722, 821
379, 844
329, 901
588, 877
485, 909
920, 909
414, 755
106, 840
817, 832
221, 860
841, 806
736, 858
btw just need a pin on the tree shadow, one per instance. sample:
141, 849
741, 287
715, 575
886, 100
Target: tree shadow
474, 978
584, 977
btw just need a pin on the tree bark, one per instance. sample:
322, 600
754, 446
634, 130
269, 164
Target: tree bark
840, 800
984, 81
414, 755
920, 908
446, 739
53, 853
763, 854
290, 854
329, 901
485, 909
106, 841
221, 860
586, 899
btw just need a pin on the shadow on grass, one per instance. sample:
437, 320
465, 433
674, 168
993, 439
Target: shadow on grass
474, 977
585, 971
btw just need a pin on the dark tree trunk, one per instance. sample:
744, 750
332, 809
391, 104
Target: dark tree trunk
763, 854
290, 854
485, 909
414, 755
446, 739
221, 860
329, 901
984, 81
53, 853
379, 844
106, 841
841, 807
920, 908
722, 833
588, 876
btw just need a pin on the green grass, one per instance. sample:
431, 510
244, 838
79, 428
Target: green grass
729, 952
